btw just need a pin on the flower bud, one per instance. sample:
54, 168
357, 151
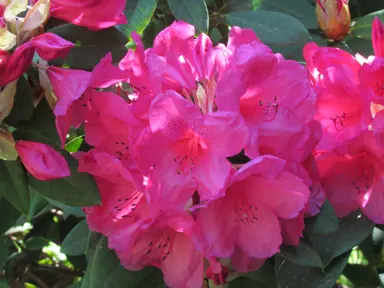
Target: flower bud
334, 18
378, 37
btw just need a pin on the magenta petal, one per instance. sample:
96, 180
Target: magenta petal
68, 85
42, 161
49, 46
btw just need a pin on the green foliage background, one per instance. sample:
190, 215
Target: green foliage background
44, 240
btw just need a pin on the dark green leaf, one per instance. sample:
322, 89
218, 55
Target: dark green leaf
38, 202
264, 275
291, 275
323, 223
353, 230
77, 240
239, 5
300, 9
36, 243
149, 34
4, 250
139, 13
271, 27
94, 45
361, 46
363, 26
23, 108
72, 210
105, 271
194, 12
367, 247
243, 282
303, 254
79, 189
8, 215
364, 276
14, 185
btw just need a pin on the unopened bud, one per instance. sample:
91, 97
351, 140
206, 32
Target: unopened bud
334, 18
378, 37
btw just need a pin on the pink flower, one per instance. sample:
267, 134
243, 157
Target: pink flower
353, 180
341, 108
378, 128
94, 14
105, 74
42, 161
14, 65
49, 46
166, 246
68, 85
188, 149
273, 95
371, 78
378, 37
247, 217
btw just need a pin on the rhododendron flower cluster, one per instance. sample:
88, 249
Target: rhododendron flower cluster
205, 153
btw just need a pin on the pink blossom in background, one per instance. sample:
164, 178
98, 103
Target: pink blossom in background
42, 161
94, 14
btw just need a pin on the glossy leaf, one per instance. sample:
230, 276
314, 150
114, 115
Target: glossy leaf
304, 254
4, 251
291, 275
14, 185
194, 12
139, 13
77, 240
353, 230
323, 223
363, 26
271, 27
302, 10
264, 275
36, 243
362, 276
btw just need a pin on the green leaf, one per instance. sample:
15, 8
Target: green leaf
94, 45
362, 276
105, 271
302, 10
36, 243
363, 26
14, 185
243, 282
303, 254
194, 12
239, 5
72, 210
353, 230
23, 108
74, 145
77, 240
79, 189
150, 33
264, 275
291, 275
38, 202
8, 215
4, 251
271, 27
139, 13
361, 46
323, 223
